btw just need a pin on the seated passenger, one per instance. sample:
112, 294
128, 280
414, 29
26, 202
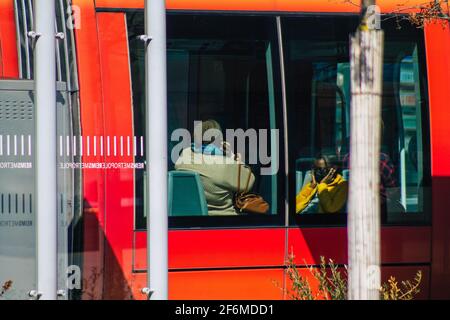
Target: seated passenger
218, 170
326, 193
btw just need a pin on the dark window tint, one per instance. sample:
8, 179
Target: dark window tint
222, 68
318, 100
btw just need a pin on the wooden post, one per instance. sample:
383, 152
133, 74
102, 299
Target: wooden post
366, 63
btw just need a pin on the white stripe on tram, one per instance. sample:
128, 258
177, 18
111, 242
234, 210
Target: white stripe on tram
88, 147
115, 146
95, 145
108, 145
101, 145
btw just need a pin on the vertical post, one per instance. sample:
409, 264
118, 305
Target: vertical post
45, 148
366, 63
156, 143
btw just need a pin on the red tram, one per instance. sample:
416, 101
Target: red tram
270, 64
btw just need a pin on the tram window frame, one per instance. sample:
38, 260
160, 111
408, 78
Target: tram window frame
340, 219
251, 220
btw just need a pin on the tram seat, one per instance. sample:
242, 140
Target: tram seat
301, 179
346, 174
186, 194
307, 179
302, 172
298, 181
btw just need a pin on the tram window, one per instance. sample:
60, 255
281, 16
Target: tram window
318, 102
221, 68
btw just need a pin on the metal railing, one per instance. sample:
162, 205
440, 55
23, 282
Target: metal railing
66, 68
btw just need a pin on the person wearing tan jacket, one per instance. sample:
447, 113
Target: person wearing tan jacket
330, 188
218, 172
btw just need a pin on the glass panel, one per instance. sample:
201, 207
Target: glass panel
219, 68
18, 195
17, 201
318, 97
412, 153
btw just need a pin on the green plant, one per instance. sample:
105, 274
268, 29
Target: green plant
301, 290
332, 284
391, 290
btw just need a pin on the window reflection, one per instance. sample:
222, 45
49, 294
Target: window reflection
219, 68
318, 101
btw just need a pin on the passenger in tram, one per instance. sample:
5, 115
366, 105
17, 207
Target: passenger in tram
327, 191
218, 167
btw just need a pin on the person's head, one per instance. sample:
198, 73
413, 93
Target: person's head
320, 162
210, 131
320, 167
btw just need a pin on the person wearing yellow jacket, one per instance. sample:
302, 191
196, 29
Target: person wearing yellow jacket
331, 190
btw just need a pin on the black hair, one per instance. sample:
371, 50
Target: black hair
321, 157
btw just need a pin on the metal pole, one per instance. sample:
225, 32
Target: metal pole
156, 101
45, 149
